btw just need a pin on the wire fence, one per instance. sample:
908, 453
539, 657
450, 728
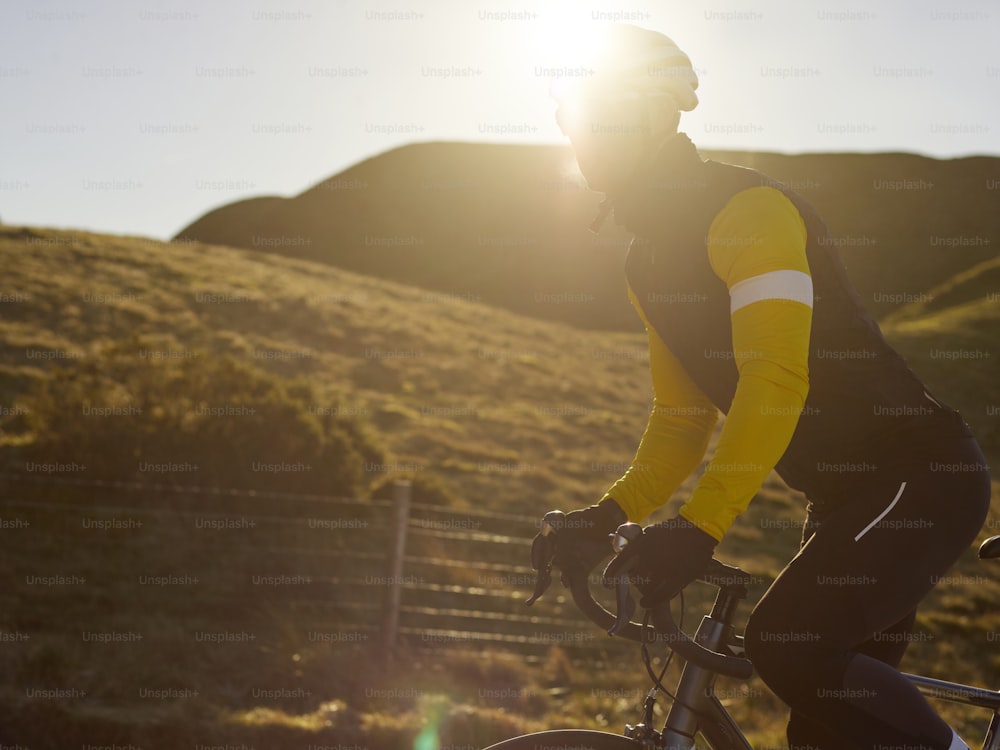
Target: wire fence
402, 575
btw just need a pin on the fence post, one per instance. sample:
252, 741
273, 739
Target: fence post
401, 492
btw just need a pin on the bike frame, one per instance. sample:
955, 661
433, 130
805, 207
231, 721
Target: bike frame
966, 695
697, 709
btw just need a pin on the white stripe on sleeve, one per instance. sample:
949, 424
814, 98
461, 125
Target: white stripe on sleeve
791, 285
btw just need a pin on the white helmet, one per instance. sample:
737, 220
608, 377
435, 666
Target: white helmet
632, 61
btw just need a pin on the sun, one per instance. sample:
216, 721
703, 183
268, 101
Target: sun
564, 41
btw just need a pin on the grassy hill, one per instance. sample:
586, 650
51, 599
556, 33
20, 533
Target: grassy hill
454, 387
507, 224
950, 334
509, 413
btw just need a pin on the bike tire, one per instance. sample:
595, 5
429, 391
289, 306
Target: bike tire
568, 739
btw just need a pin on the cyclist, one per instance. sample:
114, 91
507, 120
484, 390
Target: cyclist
749, 312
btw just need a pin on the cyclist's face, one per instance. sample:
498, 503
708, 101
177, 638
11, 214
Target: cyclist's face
608, 137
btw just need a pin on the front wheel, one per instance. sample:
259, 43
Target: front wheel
568, 739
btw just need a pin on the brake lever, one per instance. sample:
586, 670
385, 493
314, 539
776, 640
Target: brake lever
618, 574
543, 551
624, 603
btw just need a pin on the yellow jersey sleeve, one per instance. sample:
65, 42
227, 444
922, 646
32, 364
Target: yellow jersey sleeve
676, 436
756, 245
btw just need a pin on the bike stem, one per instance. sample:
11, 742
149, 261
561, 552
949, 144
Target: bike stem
696, 686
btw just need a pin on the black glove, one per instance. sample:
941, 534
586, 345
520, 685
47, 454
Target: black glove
671, 555
583, 540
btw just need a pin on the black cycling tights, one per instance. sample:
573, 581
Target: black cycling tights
829, 633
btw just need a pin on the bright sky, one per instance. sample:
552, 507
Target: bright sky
137, 116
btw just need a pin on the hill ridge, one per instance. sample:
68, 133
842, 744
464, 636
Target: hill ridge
507, 223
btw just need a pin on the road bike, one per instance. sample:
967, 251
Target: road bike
716, 649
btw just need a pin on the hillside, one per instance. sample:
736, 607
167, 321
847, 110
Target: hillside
949, 335
507, 224
500, 406
514, 415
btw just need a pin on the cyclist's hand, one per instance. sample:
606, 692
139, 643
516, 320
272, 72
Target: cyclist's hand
671, 555
583, 540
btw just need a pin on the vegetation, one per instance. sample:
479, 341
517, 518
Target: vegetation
192, 418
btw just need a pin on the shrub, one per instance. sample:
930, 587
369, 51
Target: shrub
198, 419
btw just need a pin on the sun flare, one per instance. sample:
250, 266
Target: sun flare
564, 44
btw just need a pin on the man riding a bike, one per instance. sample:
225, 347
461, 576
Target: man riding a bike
749, 311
